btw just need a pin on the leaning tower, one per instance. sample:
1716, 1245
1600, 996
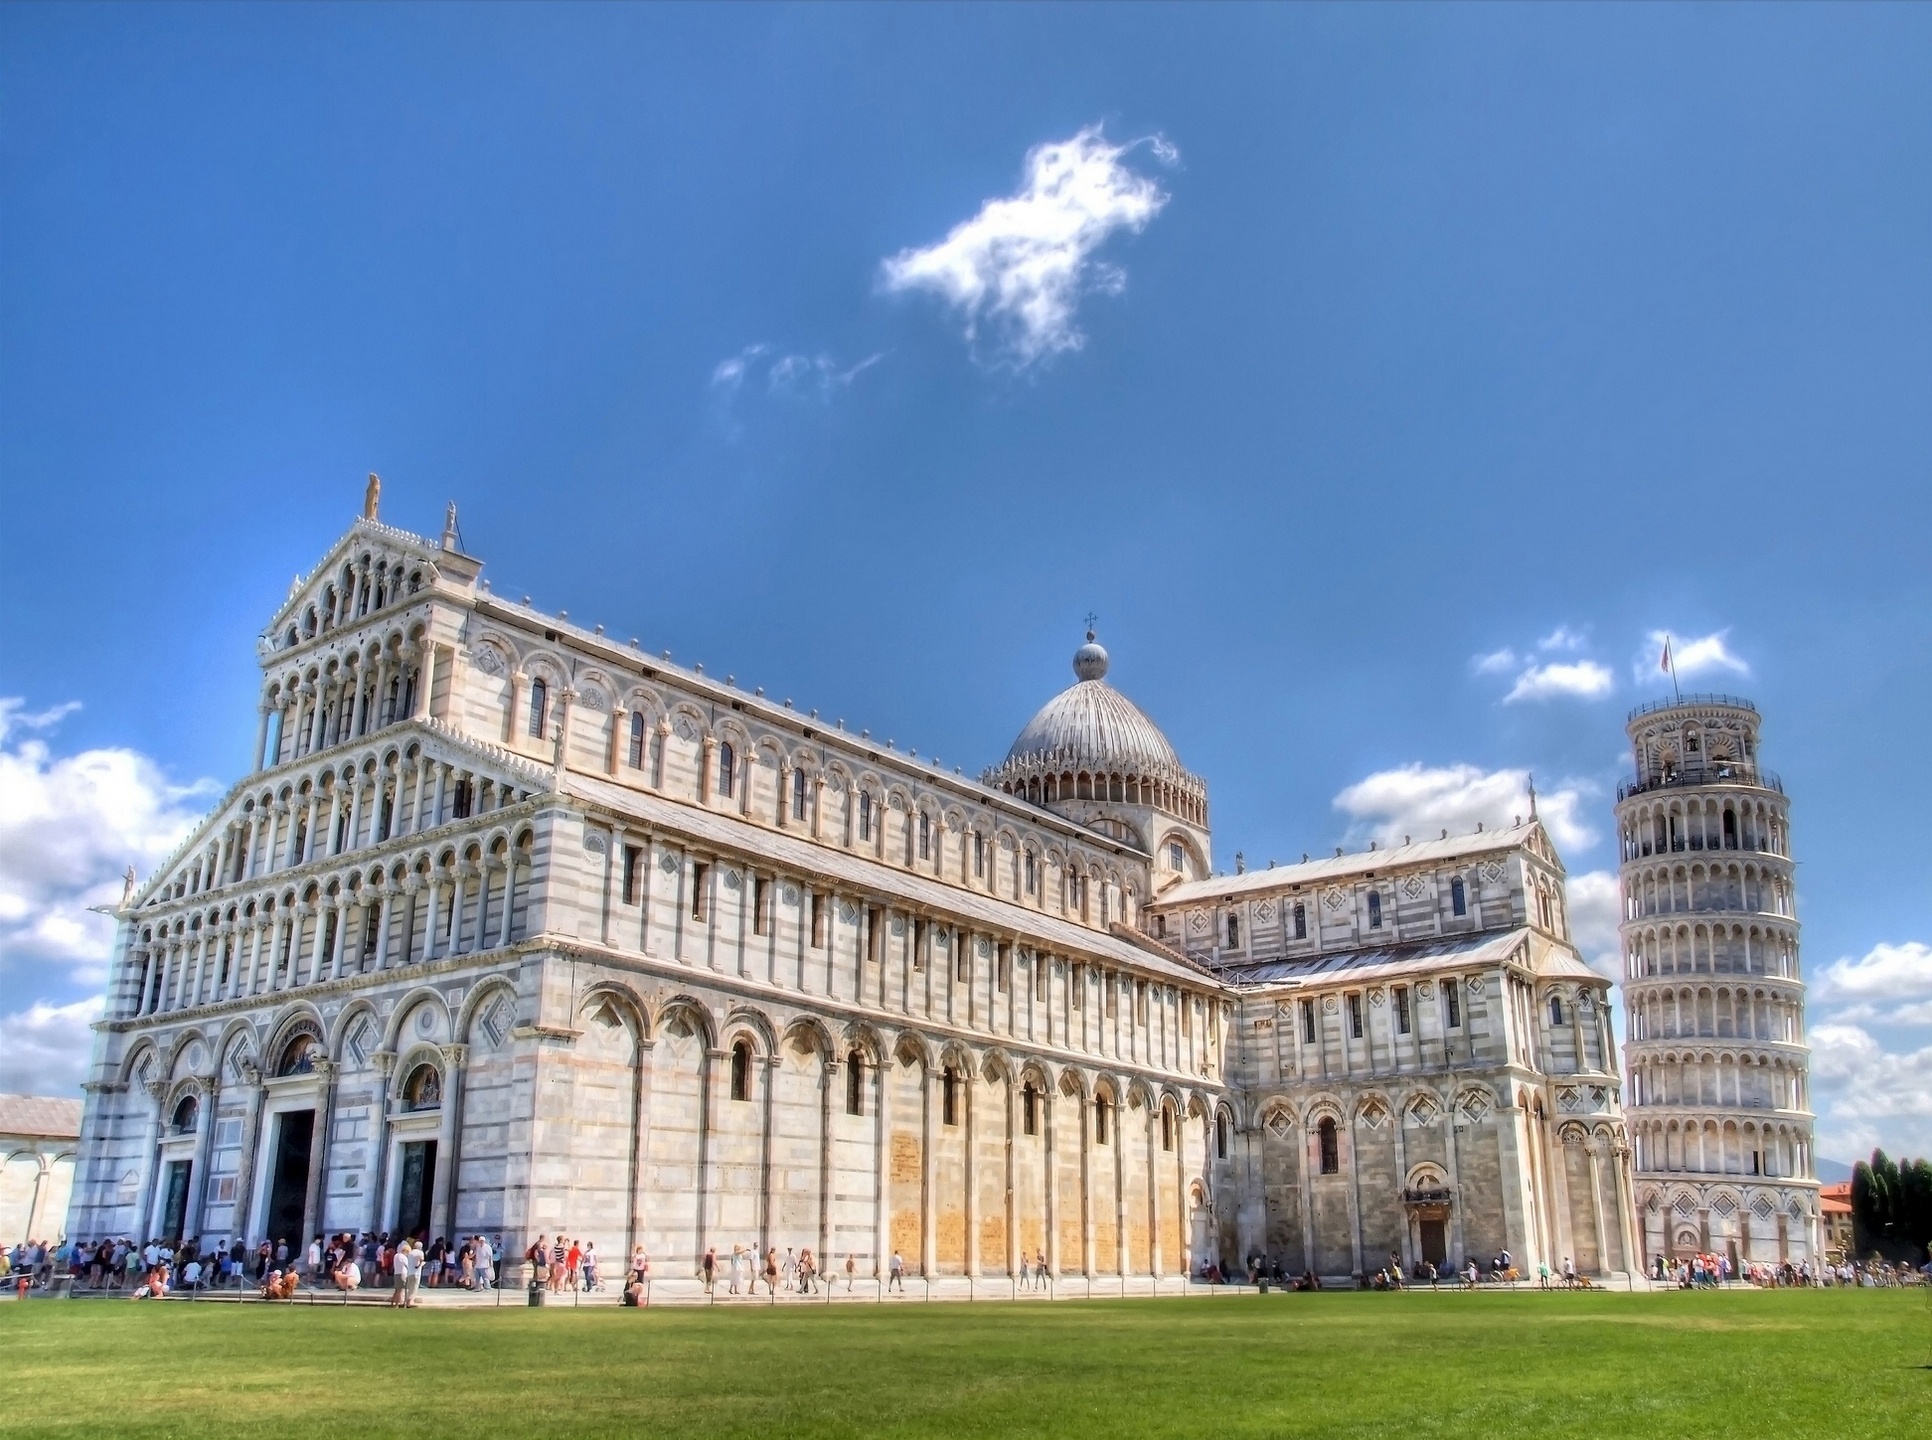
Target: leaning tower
1718, 1095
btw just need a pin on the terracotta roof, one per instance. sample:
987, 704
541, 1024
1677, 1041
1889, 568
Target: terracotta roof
46, 1115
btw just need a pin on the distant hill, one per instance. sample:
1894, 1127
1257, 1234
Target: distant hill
1830, 1171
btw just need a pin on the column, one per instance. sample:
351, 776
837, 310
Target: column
208, 1089
828, 1084
969, 1086
341, 936
1012, 1198
566, 698
928, 1200
1086, 1186
1596, 1211
147, 1222
318, 1190
384, 1062
435, 909
1047, 1106
1354, 1200
716, 1066
509, 896
375, 911
251, 1144
261, 736
449, 1159
1155, 1255
614, 760
426, 683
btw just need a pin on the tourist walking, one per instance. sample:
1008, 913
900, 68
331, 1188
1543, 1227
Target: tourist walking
896, 1273
708, 1268
589, 1265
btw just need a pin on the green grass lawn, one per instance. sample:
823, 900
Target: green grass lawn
1833, 1363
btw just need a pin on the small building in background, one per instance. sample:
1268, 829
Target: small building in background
38, 1137
1835, 1219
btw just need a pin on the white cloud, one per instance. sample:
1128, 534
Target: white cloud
1583, 679
1024, 261
1420, 801
817, 378
1496, 662
69, 827
48, 1047
1692, 656
1883, 973
1561, 638
1866, 1095
1595, 907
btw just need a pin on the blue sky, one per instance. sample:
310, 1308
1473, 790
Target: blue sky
1384, 340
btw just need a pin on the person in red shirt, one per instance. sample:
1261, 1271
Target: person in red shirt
576, 1259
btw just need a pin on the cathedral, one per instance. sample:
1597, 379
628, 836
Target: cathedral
515, 928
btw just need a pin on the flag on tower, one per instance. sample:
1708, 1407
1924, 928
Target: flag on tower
1664, 664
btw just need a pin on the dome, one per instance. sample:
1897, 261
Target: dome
1091, 727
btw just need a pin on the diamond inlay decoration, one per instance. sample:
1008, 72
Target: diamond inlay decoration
1761, 1208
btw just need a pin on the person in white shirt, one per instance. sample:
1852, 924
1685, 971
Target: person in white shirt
191, 1275
485, 1264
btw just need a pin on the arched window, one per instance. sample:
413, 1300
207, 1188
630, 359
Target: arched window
1330, 1146
637, 739
1375, 909
539, 707
1556, 1010
800, 791
1234, 932
979, 856
855, 1083
925, 836
1221, 1136
727, 768
1458, 897
865, 815
1032, 872
1100, 1109
949, 1097
741, 1070
298, 1056
1167, 1128
185, 1115
423, 1090
1176, 856
1301, 922
1029, 1109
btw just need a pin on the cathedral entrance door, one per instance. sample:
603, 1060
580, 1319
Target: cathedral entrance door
174, 1210
418, 1188
288, 1189
1435, 1244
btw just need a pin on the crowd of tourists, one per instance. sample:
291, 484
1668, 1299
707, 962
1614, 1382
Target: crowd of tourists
1707, 1272
343, 1263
